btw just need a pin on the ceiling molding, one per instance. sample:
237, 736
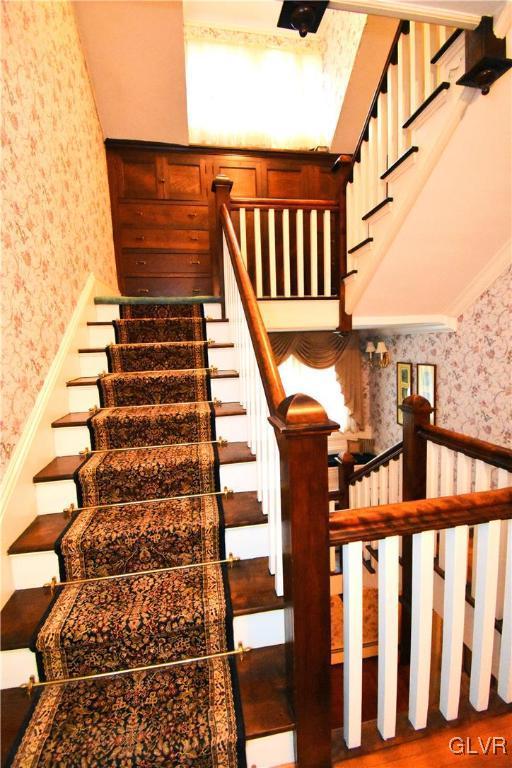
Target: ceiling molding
410, 11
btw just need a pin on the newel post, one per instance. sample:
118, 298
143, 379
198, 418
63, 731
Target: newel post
416, 411
222, 186
302, 428
345, 470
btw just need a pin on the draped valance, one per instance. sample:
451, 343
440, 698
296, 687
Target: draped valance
323, 349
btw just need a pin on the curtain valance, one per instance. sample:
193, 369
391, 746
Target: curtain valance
323, 349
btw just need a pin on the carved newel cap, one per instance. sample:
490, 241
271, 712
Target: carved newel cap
302, 413
222, 181
417, 404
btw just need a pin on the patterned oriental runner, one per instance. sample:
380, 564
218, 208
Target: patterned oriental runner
188, 715
157, 357
144, 387
133, 311
152, 425
161, 329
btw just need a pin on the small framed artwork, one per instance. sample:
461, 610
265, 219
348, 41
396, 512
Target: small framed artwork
426, 377
403, 387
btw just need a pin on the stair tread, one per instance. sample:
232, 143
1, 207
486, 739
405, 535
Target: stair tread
110, 322
266, 702
15, 706
64, 467
239, 510
90, 381
215, 345
25, 608
79, 418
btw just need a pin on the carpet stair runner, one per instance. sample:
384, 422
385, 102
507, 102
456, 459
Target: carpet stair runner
182, 715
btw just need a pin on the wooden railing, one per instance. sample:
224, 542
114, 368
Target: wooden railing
290, 248
289, 437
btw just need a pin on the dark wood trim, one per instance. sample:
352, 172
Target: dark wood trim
397, 163
435, 93
379, 461
402, 27
280, 203
472, 447
157, 146
377, 208
409, 517
360, 245
442, 50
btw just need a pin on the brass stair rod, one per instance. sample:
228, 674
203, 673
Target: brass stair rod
53, 584
225, 492
215, 402
208, 342
210, 369
222, 442
240, 651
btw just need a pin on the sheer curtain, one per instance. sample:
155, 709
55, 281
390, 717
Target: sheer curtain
321, 384
250, 96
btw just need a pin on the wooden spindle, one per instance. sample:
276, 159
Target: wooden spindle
429, 43
464, 473
257, 253
373, 176
392, 89
243, 236
416, 36
421, 629
483, 481
352, 643
300, 251
394, 482
388, 636
505, 665
345, 470
286, 252
327, 254
453, 620
272, 251
483, 621
382, 142
404, 83
313, 252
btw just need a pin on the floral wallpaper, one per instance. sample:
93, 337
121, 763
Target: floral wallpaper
474, 372
56, 226
340, 33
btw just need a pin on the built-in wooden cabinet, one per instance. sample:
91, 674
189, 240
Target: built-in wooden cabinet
163, 207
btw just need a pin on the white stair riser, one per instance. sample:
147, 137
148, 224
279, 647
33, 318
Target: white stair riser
93, 363
271, 751
34, 569
70, 440
55, 495
101, 335
83, 398
256, 630
106, 312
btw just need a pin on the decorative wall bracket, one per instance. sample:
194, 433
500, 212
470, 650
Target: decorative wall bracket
486, 59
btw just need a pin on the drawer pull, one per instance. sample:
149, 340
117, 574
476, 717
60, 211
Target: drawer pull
194, 262
142, 263
196, 290
143, 290
192, 215
140, 238
194, 238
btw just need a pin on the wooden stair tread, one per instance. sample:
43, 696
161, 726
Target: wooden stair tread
79, 418
15, 706
87, 350
64, 467
91, 381
264, 693
239, 510
25, 609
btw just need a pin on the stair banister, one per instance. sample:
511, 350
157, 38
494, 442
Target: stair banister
289, 435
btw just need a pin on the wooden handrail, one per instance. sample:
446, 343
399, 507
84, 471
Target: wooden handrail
270, 378
379, 461
410, 517
472, 447
279, 202
402, 27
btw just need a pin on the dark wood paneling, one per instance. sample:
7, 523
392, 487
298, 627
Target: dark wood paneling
172, 285
285, 181
163, 214
154, 263
138, 176
185, 177
169, 239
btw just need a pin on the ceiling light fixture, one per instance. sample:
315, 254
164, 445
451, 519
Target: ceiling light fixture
302, 17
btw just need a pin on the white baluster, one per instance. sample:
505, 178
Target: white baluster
416, 35
483, 482
243, 236
373, 148
272, 251
393, 128
483, 622
429, 49
423, 545
286, 252
505, 667
447, 488
433, 454
374, 483
464, 473
453, 619
313, 252
404, 103
352, 643
366, 502
327, 253
257, 252
394, 487
384, 484
365, 186
388, 637
352, 497
503, 480
351, 219
382, 142
300, 252
400, 477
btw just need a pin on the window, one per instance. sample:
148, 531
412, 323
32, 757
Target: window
321, 384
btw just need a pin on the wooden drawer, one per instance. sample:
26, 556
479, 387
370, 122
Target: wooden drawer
164, 214
164, 263
175, 239
167, 286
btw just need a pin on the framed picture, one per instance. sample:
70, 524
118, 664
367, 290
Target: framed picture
426, 377
403, 387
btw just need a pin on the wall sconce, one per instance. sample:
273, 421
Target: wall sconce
378, 356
